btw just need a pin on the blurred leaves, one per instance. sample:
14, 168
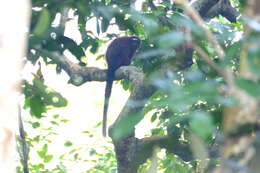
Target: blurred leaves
188, 101
43, 22
249, 86
38, 96
43, 154
72, 46
202, 124
171, 39
68, 144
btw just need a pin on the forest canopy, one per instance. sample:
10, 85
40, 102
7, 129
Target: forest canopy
195, 76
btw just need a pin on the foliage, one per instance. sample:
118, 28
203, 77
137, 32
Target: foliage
188, 100
43, 159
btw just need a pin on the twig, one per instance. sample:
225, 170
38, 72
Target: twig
196, 17
63, 19
226, 73
24, 152
206, 58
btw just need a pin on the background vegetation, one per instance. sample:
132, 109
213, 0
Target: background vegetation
196, 73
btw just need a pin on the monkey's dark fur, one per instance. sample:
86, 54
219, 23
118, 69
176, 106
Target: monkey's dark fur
119, 53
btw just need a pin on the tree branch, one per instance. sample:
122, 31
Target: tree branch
24, 151
131, 113
212, 8
208, 60
196, 17
78, 74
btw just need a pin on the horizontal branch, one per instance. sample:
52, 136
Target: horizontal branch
209, 9
80, 74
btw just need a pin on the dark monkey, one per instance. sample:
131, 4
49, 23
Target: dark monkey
119, 53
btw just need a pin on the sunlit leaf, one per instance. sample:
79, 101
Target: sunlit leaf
201, 124
48, 158
68, 144
35, 125
43, 22
36, 107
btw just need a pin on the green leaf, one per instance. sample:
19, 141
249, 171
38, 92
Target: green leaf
154, 117
38, 167
48, 96
99, 57
171, 39
157, 131
201, 124
48, 158
36, 139
104, 24
54, 123
43, 152
64, 120
52, 45
35, 125
126, 84
92, 152
56, 116
126, 126
45, 149
253, 57
68, 144
94, 47
26, 103
37, 107
72, 151
43, 22
249, 86
123, 23
72, 46
85, 131
90, 42
76, 156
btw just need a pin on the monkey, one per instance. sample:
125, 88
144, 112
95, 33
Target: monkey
119, 53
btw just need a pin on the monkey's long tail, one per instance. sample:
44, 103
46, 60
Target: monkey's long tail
110, 77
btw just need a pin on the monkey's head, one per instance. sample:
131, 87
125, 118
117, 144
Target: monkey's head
135, 42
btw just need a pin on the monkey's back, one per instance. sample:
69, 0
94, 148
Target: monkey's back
120, 51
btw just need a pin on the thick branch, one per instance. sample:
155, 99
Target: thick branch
132, 152
203, 6
224, 8
78, 74
170, 143
131, 113
211, 8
